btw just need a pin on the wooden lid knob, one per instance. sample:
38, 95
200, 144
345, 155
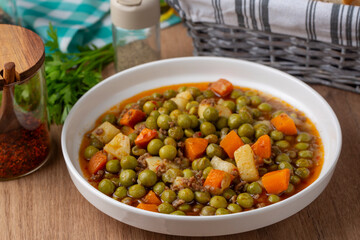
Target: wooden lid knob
22, 47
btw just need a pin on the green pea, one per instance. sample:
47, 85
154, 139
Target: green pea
151, 123
175, 114
200, 98
246, 130
265, 107
234, 121
127, 177
178, 212
106, 186
245, 117
211, 114
159, 187
262, 171
208, 94
207, 211
188, 173
164, 111
194, 91
260, 131
236, 93
191, 104
156, 95
273, 167
168, 152
255, 100
182, 89
295, 180
302, 172
185, 207
127, 200
230, 105
163, 121
245, 200
170, 105
234, 208
169, 93
149, 106
94, 141
302, 146
207, 128
284, 165
128, 162
147, 178
254, 188
273, 198
292, 154
282, 157
228, 193
109, 118
194, 121
206, 172
166, 208
276, 135
246, 140
132, 136
197, 207
154, 146
256, 113
218, 202
137, 191
116, 181
212, 138
283, 144
189, 133
305, 154
109, 175
304, 163
243, 100
170, 141
194, 110
184, 121
186, 194
202, 197
168, 196
171, 174
155, 114
221, 123
113, 166
222, 211
290, 190
138, 151
303, 137
200, 164
90, 151
120, 192
176, 132
214, 150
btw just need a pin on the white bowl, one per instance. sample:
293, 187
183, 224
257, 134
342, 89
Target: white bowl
199, 69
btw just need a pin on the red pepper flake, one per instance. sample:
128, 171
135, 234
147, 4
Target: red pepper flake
23, 150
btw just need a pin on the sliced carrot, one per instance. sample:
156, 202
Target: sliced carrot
262, 147
152, 198
222, 87
217, 181
195, 147
132, 117
145, 136
277, 181
148, 207
97, 162
230, 143
284, 124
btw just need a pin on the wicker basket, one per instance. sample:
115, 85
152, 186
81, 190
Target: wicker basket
311, 61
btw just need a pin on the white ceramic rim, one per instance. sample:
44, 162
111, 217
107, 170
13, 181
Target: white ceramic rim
111, 201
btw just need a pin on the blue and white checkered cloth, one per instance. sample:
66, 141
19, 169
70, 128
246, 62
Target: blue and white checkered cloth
78, 22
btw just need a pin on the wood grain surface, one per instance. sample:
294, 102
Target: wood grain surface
46, 204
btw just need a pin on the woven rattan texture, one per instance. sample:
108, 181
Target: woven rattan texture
310, 61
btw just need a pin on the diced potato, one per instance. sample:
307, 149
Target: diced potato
244, 158
223, 111
218, 163
179, 182
105, 132
154, 162
182, 99
119, 146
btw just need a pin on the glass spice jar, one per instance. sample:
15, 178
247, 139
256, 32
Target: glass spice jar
136, 32
24, 129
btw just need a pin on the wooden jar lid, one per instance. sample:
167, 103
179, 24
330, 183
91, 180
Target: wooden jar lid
22, 47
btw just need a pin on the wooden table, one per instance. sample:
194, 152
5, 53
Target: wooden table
46, 204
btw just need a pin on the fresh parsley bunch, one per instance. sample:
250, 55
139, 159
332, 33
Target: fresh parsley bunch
70, 75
